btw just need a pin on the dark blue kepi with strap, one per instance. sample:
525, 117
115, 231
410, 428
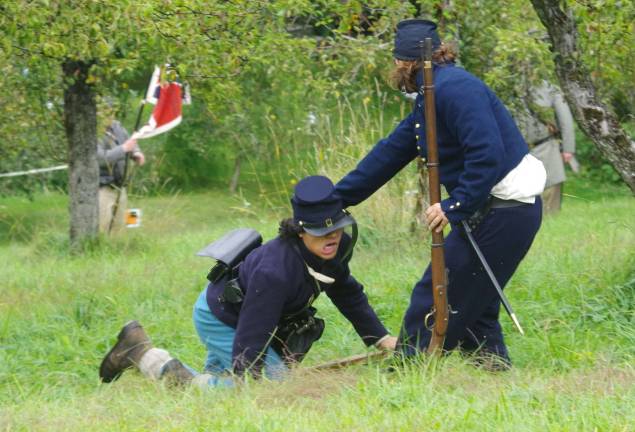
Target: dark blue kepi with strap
316, 207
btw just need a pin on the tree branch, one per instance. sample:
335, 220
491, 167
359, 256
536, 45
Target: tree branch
36, 52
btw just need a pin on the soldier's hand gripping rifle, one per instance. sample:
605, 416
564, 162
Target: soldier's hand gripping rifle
440, 310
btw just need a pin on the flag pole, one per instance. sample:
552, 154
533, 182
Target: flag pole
136, 128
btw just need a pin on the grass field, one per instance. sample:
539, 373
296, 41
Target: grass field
574, 293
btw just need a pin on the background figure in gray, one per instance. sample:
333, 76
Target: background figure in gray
111, 155
547, 125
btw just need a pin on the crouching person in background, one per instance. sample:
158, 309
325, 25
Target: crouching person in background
261, 321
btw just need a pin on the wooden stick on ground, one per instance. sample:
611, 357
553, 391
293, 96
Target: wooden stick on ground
351, 360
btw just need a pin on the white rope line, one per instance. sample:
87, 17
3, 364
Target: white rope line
34, 171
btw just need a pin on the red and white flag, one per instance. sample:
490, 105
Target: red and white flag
152, 94
168, 100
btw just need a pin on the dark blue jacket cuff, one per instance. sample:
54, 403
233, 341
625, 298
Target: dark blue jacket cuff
454, 210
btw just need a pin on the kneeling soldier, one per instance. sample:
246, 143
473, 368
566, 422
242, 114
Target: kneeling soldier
268, 322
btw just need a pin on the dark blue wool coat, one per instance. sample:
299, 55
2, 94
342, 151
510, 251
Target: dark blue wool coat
276, 283
478, 143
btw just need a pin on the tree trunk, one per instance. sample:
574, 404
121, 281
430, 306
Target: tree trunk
80, 123
440, 14
595, 119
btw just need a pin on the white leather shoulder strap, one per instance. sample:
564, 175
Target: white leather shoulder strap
319, 276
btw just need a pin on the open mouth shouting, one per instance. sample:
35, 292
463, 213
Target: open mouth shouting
329, 249
324, 247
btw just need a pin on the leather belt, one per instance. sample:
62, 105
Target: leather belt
492, 202
501, 203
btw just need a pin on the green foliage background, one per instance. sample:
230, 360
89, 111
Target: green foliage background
260, 70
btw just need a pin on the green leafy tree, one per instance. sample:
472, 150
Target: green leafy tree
91, 47
246, 61
79, 44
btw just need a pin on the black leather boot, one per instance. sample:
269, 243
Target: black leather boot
132, 344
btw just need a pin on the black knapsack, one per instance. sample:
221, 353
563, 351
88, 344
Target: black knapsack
229, 252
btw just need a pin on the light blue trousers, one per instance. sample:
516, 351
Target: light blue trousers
218, 338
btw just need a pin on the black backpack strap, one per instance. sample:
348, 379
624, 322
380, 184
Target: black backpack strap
354, 235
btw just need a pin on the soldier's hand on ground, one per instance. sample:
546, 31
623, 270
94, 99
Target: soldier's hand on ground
139, 158
436, 218
388, 343
129, 145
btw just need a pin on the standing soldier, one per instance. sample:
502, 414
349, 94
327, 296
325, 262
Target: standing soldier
547, 125
492, 182
111, 155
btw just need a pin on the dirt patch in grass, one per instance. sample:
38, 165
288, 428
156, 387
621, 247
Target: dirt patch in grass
306, 384
603, 380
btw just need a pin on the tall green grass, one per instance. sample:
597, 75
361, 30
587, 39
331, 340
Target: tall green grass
332, 146
574, 293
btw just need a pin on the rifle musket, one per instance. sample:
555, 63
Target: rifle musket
440, 309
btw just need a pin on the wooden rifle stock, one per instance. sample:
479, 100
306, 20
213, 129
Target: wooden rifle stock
440, 309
